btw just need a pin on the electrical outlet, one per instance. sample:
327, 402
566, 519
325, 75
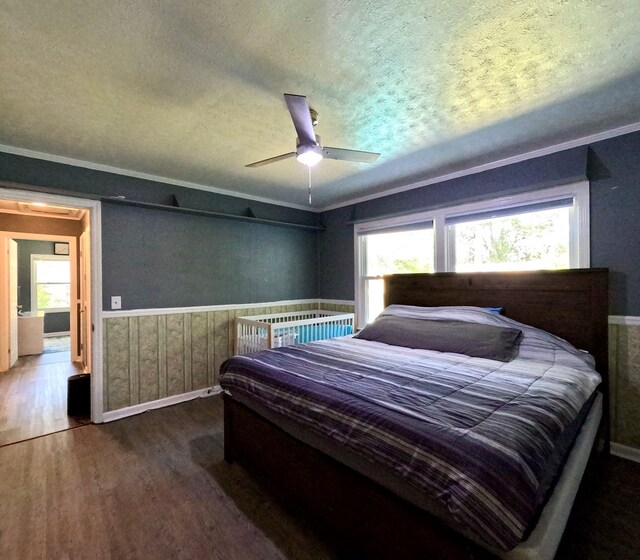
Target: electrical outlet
116, 302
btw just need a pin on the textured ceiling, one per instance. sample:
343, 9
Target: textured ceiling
193, 90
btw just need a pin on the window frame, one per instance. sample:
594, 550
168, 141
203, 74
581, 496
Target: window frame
579, 229
387, 225
380, 226
35, 310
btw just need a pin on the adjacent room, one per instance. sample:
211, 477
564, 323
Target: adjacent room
44, 352
315, 280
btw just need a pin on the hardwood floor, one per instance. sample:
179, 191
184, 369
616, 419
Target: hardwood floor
155, 486
150, 486
33, 397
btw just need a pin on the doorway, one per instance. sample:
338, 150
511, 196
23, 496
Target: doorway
50, 328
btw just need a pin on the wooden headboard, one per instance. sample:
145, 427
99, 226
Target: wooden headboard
572, 304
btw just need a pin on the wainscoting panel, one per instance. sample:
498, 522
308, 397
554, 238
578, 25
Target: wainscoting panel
624, 372
155, 356
116, 373
151, 357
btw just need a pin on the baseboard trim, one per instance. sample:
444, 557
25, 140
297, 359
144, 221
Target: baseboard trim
160, 403
626, 452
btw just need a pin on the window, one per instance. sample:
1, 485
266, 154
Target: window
547, 229
385, 248
529, 237
390, 251
50, 283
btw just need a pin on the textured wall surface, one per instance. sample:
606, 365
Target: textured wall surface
624, 372
193, 90
151, 357
157, 259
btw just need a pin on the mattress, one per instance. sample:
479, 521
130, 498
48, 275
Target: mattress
476, 438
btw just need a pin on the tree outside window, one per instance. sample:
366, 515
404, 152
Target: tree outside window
528, 241
50, 278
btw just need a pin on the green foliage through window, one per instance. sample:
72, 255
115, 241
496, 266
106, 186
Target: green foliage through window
534, 240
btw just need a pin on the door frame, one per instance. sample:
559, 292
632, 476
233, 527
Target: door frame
15, 235
11, 247
95, 233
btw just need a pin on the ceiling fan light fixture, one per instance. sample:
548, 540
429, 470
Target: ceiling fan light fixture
309, 156
309, 149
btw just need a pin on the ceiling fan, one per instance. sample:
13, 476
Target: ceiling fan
309, 151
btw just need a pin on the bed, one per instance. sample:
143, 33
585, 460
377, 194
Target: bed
371, 504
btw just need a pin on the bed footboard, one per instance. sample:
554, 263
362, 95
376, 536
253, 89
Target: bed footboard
360, 516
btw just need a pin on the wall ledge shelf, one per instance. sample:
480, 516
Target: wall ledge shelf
249, 217
209, 213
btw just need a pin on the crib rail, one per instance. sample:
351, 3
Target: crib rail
260, 332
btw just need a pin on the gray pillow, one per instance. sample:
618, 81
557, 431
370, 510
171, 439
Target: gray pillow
460, 337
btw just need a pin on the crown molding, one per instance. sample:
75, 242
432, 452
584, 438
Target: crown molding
146, 176
552, 149
569, 144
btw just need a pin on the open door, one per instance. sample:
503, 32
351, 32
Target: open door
13, 302
84, 303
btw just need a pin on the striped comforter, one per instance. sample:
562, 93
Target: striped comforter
474, 434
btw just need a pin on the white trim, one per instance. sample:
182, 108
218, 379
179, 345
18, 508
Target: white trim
626, 452
146, 176
95, 242
222, 307
160, 403
336, 301
95, 213
583, 141
624, 320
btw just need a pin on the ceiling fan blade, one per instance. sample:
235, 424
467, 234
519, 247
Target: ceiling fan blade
349, 155
272, 160
299, 109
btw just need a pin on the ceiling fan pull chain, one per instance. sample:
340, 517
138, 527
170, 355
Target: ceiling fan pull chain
309, 185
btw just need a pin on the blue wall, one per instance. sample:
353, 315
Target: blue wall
612, 166
162, 258
26, 248
155, 258
65, 179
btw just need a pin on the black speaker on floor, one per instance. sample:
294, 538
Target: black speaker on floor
79, 395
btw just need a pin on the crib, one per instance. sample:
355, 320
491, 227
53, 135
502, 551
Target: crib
260, 332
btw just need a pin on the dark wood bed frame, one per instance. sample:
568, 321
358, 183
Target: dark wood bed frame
363, 519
